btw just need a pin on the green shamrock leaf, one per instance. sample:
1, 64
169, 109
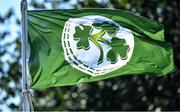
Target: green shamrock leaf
82, 36
118, 48
108, 27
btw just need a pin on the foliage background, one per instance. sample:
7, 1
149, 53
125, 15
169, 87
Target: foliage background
120, 93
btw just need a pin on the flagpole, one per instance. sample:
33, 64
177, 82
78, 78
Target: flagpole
26, 104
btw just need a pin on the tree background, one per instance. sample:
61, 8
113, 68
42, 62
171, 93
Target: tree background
143, 92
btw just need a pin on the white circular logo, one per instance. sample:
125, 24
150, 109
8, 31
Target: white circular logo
96, 45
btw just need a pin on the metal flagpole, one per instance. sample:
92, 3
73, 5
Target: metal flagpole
25, 104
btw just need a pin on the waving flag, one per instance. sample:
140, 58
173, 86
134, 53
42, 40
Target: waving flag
69, 47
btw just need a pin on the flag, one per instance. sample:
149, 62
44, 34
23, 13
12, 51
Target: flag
69, 47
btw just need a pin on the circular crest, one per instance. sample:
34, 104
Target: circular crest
96, 45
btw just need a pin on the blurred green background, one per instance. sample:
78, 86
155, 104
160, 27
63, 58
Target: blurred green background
143, 92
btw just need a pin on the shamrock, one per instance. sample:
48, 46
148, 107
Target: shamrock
110, 28
118, 48
82, 36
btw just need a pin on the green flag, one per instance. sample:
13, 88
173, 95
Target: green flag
69, 47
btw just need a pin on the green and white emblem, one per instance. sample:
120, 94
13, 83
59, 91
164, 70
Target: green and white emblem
96, 45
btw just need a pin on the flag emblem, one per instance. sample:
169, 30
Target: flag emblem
96, 45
